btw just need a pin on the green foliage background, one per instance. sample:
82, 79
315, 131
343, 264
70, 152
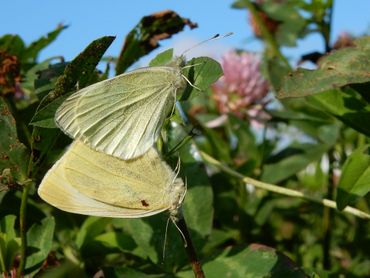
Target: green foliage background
238, 230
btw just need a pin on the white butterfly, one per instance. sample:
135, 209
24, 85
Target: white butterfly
123, 116
89, 182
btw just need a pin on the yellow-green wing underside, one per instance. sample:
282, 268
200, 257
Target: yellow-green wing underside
88, 182
122, 116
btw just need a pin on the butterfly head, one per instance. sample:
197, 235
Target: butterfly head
177, 62
177, 196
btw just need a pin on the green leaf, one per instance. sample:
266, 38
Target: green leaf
347, 105
64, 268
150, 238
162, 58
325, 133
13, 154
104, 242
218, 238
289, 19
45, 116
198, 204
144, 37
40, 75
214, 145
32, 51
198, 209
291, 160
43, 77
92, 227
12, 44
39, 243
284, 15
255, 261
275, 70
202, 74
9, 243
79, 70
342, 67
150, 241
246, 149
7, 226
48, 145
116, 239
118, 272
310, 119
355, 180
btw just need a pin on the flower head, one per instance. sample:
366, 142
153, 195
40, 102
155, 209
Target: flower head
242, 88
9, 74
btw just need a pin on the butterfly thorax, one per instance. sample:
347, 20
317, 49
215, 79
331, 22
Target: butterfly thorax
177, 63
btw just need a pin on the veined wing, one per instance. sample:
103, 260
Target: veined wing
122, 116
89, 182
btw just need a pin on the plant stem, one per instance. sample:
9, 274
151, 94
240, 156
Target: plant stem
22, 213
326, 26
189, 248
327, 215
23, 229
24, 133
326, 243
266, 34
282, 190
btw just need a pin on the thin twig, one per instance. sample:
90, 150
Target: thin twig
328, 216
326, 25
189, 248
25, 133
22, 212
23, 228
282, 190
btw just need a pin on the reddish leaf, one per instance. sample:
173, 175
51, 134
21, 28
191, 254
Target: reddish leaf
145, 36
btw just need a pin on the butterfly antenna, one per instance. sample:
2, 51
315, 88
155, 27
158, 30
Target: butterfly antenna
190, 66
177, 170
215, 37
181, 233
165, 239
178, 166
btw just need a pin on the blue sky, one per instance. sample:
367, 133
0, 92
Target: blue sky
90, 19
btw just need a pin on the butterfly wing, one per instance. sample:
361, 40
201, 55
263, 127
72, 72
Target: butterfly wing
57, 191
89, 182
122, 116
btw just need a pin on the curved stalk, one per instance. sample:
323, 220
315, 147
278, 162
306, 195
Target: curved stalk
22, 215
23, 228
189, 247
281, 190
